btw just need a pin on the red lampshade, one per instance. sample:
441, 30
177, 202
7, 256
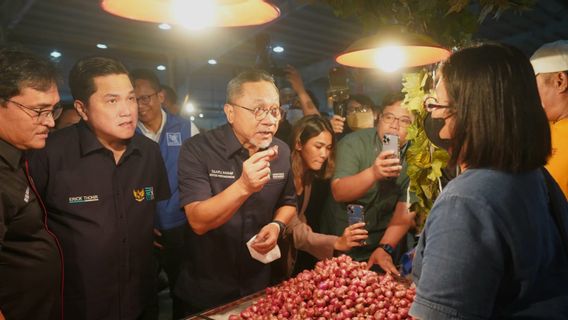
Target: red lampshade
224, 13
392, 47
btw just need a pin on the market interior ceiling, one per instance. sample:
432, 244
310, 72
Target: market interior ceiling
309, 32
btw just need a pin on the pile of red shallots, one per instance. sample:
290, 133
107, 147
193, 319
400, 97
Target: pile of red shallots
337, 288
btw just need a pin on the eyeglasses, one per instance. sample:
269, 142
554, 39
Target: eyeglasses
261, 112
389, 118
145, 99
358, 108
431, 104
40, 115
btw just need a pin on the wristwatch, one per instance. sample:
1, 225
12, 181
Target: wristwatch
387, 247
282, 227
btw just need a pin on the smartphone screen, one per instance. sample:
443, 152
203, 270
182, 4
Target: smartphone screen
337, 78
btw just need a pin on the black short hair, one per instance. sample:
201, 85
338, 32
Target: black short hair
82, 75
390, 98
170, 94
148, 75
500, 123
20, 68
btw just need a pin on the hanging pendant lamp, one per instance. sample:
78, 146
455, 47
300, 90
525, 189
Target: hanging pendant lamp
391, 49
198, 13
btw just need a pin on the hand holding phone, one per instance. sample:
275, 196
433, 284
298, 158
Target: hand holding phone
356, 214
390, 143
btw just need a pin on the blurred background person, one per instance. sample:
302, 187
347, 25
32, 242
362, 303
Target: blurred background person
550, 63
68, 117
169, 131
296, 102
494, 245
171, 101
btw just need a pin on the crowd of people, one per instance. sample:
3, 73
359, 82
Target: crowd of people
91, 213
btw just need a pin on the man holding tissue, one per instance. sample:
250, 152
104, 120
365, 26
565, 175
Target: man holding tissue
235, 184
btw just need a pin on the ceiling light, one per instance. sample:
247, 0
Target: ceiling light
201, 115
212, 61
391, 49
196, 13
192, 118
164, 26
278, 49
161, 67
55, 54
102, 46
189, 107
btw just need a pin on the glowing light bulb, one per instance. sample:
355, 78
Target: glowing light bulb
194, 14
189, 107
390, 58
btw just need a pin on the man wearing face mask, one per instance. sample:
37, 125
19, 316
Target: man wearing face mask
376, 179
360, 114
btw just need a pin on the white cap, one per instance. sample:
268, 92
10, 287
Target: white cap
551, 57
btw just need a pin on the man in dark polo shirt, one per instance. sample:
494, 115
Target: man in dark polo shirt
30, 262
235, 182
101, 183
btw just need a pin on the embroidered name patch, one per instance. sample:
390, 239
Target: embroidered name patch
84, 199
173, 139
146, 193
278, 175
222, 174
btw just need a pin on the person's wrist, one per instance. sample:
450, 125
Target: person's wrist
281, 227
387, 248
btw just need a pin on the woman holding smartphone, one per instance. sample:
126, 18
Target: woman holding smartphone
312, 157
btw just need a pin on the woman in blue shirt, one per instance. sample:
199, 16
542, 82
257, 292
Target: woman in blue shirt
491, 248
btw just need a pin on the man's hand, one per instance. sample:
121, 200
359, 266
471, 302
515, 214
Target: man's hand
353, 236
384, 260
386, 166
256, 169
266, 239
337, 123
295, 79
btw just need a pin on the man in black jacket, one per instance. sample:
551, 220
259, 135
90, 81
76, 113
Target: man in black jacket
30, 261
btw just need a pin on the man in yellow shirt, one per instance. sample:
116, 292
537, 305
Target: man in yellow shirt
550, 63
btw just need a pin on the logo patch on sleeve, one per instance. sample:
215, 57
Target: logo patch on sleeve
146, 193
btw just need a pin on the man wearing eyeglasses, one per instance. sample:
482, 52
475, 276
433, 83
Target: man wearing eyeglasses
367, 175
30, 262
169, 131
101, 184
235, 183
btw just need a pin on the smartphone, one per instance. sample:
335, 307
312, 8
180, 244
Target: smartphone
356, 214
337, 78
390, 143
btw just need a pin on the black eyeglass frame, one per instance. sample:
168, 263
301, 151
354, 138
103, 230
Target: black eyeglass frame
39, 115
265, 111
145, 99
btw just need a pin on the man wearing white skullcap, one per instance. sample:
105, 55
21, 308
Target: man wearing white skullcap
550, 63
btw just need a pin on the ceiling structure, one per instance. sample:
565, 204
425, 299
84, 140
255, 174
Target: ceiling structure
309, 32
